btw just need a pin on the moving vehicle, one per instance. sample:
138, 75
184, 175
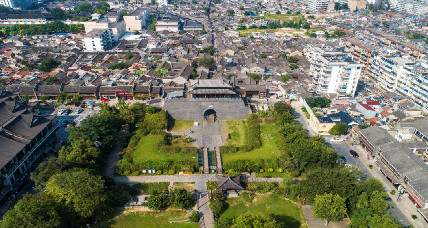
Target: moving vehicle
336, 140
354, 153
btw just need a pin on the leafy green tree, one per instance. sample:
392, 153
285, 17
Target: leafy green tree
329, 207
293, 66
285, 78
363, 200
339, 129
365, 217
249, 220
48, 64
72, 189
263, 55
321, 102
285, 118
371, 185
102, 128
231, 12
84, 7
51, 80
157, 202
293, 59
218, 203
81, 152
33, 210
282, 107
58, 13
46, 169
338, 181
62, 97
207, 62
203, 31
181, 198
194, 217
378, 202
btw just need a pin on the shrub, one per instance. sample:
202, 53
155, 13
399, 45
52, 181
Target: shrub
171, 172
261, 187
159, 172
261, 171
247, 196
194, 217
229, 149
414, 217
270, 170
212, 185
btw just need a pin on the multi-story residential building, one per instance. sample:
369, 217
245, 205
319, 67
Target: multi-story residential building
415, 7
98, 40
162, 2
407, 77
168, 22
118, 28
22, 136
361, 52
137, 20
17, 4
333, 70
319, 5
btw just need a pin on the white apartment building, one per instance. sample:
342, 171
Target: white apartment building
319, 5
333, 71
162, 2
401, 75
137, 20
17, 4
414, 7
117, 28
98, 40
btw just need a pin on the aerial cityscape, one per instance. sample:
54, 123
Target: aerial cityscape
214, 113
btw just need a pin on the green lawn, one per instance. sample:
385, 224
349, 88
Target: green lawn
284, 211
182, 125
146, 151
236, 130
268, 150
153, 219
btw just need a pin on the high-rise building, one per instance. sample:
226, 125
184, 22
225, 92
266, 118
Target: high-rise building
17, 4
98, 40
333, 70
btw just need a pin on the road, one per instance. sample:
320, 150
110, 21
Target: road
399, 212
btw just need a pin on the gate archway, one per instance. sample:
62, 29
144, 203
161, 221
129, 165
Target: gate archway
210, 115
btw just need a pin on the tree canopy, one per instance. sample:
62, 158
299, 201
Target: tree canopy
339, 129
329, 207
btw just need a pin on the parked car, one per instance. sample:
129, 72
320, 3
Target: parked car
336, 140
354, 153
341, 160
78, 111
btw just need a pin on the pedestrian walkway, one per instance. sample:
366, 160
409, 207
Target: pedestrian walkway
218, 160
206, 165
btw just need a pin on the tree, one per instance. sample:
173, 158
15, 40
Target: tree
157, 202
339, 129
58, 13
129, 55
84, 7
254, 76
61, 98
203, 31
46, 169
181, 198
293, 66
321, 102
82, 152
282, 107
33, 210
249, 220
285, 78
365, 217
263, 55
371, 185
78, 189
329, 207
338, 181
48, 64
293, 59
194, 217
218, 203
378, 203
207, 62
51, 80
231, 12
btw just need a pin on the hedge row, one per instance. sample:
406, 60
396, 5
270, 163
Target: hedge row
178, 149
254, 165
252, 133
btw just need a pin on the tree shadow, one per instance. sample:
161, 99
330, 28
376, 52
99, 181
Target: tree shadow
286, 221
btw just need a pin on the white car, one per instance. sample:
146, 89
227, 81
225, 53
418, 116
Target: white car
336, 140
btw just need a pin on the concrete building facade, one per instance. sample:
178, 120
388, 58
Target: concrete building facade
98, 40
